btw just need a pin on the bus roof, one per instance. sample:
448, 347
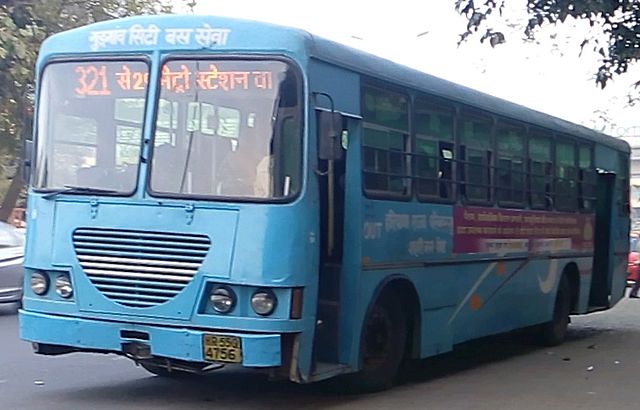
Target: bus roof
110, 36
380, 68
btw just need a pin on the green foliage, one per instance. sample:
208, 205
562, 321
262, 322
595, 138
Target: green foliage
619, 20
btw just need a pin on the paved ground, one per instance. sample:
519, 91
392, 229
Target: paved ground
598, 368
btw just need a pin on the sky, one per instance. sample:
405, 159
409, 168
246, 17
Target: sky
548, 75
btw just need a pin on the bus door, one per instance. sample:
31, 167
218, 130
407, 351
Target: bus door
331, 183
603, 244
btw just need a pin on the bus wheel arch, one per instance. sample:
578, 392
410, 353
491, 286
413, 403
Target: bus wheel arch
406, 292
394, 303
554, 332
573, 276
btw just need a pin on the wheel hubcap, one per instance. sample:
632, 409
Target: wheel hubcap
378, 338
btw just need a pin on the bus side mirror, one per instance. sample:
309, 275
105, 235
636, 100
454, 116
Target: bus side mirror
26, 161
329, 135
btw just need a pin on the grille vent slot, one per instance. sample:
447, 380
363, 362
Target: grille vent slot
139, 268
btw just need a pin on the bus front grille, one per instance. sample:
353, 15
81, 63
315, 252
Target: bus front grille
139, 268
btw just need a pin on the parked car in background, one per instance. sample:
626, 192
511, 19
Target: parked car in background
11, 256
632, 265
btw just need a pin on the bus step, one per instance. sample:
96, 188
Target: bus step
324, 370
326, 343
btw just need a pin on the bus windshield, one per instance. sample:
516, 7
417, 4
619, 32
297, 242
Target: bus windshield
89, 127
227, 129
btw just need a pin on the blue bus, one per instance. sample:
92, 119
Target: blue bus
208, 191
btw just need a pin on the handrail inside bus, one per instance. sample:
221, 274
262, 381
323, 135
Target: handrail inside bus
344, 114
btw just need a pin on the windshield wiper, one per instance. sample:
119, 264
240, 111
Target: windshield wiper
72, 189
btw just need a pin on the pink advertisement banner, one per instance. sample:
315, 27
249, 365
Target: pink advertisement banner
508, 231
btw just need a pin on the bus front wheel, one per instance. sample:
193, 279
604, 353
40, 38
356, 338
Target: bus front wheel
382, 345
554, 332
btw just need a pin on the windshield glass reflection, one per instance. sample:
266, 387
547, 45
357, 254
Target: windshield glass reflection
90, 125
228, 129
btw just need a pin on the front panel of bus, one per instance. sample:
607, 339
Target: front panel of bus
169, 214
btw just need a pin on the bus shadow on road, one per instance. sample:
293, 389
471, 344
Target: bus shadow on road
224, 389
241, 388
488, 350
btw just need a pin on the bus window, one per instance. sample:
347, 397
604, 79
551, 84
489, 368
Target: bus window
566, 189
167, 123
89, 134
510, 165
128, 115
433, 150
475, 156
384, 147
586, 178
229, 129
539, 172
76, 145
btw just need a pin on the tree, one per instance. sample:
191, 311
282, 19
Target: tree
24, 24
619, 20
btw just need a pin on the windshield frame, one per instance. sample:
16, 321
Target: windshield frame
301, 111
89, 58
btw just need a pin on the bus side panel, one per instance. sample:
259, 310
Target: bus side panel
461, 302
343, 87
468, 301
500, 296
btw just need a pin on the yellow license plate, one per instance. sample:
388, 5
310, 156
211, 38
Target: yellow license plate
218, 348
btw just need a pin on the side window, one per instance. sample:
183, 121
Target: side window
566, 189
433, 158
540, 171
475, 158
586, 178
385, 143
510, 165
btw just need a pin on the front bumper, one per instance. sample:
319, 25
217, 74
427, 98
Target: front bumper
258, 350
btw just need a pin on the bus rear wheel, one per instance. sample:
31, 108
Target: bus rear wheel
382, 345
554, 332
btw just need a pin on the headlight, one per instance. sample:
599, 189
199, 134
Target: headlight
264, 302
39, 283
222, 299
63, 286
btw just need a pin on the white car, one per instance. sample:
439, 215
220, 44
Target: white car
11, 257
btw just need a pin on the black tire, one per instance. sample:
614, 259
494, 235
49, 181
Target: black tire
382, 346
554, 332
163, 371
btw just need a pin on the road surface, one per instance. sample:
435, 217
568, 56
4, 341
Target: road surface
598, 368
